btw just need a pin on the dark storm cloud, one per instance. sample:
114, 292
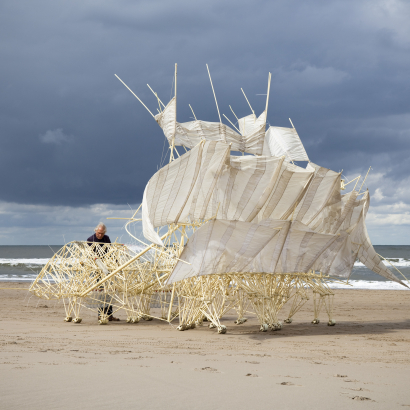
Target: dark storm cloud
71, 134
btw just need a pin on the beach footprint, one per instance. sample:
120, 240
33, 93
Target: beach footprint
361, 398
208, 369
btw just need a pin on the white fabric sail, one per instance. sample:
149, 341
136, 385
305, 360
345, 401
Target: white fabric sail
252, 129
341, 212
243, 186
330, 214
349, 215
183, 183
257, 188
300, 252
251, 124
190, 134
328, 230
284, 141
353, 210
167, 119
340, 215
364, 251
276, 246
214, 157
221, 246
286, 193
338, 259
321, 189
206, 182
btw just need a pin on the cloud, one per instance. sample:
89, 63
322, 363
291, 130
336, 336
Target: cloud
45, 225
378, 195
388, 219
55, 137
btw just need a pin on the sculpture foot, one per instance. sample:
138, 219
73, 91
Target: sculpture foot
240, 321
276, 326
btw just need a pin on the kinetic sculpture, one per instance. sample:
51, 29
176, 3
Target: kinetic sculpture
247, 233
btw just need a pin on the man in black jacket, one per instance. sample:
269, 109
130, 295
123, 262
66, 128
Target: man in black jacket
101, 237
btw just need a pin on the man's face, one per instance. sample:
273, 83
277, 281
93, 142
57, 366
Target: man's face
99, 233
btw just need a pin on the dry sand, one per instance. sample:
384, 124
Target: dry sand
362, 362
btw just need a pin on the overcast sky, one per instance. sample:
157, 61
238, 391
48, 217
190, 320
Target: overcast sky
76, 146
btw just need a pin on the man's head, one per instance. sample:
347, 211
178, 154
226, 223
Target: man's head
100, 231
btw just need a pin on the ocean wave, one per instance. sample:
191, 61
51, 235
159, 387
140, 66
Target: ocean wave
36, 262
17, 278
25, 262
394, 261
370, 284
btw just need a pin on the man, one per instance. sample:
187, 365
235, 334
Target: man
100, 235
101, 238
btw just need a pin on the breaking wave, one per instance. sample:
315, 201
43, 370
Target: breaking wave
371, 284
394, 261
30, 263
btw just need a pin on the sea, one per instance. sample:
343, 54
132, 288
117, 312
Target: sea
24, 263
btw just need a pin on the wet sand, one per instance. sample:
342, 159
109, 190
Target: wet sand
362, 362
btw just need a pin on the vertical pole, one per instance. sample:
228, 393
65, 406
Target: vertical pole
237, 119
267, 103
216, 102
267, 96
156, 95
175, 85
246, 98
192, 112
222, 129
364, 179
358, 179
135, 95
170, 303
171, 156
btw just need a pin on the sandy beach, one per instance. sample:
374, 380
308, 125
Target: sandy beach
362, 362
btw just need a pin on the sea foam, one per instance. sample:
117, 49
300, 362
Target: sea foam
370, 284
